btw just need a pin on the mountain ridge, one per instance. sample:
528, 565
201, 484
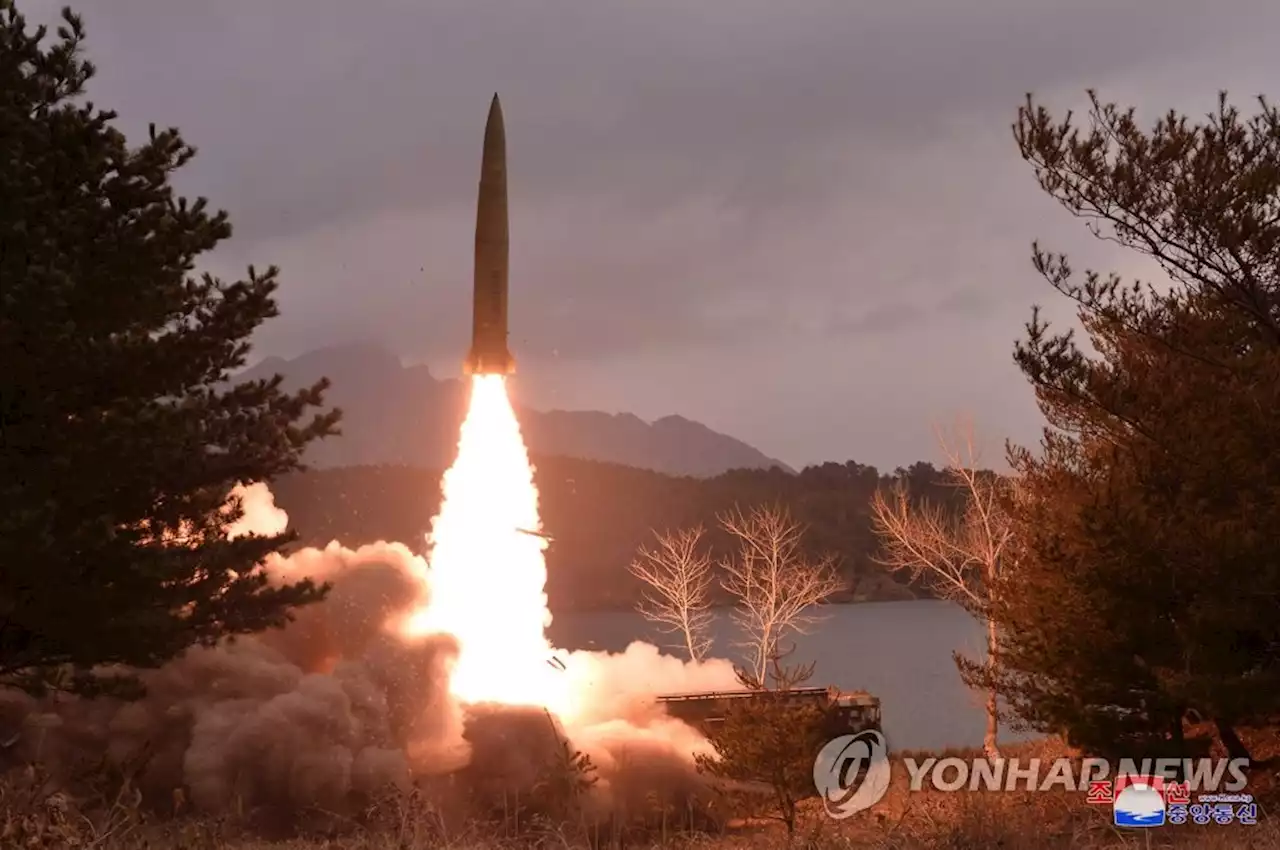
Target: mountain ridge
398, 414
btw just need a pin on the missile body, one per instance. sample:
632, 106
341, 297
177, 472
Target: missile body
489, 354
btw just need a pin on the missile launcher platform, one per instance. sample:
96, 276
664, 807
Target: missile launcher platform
850, 712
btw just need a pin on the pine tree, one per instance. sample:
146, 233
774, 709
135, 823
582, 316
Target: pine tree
120, 434
771, 740
1147, 569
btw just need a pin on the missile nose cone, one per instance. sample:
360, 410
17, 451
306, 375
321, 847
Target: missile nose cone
495, 136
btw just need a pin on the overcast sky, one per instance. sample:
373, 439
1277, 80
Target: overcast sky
804, 224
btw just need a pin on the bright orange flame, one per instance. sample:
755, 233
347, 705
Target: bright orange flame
487, 575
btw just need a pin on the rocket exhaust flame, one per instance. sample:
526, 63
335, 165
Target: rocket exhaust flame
487, 578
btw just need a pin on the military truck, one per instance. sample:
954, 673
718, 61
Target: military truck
851, 712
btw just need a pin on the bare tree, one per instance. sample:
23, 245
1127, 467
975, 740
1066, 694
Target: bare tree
781, 677
677, 596
774, 582
958, 554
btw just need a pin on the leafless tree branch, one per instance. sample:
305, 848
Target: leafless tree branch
774, 583
958, 555
678, 582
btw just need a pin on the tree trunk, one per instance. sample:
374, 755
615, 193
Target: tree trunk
990, 744
1227, 734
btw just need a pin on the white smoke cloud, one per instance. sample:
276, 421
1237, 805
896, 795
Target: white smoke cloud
618, 684
261, 516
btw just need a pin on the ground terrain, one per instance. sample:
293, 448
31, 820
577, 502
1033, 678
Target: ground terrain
902, 821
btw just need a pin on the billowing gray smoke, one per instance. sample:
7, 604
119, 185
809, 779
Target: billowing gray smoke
331, 705
338, 706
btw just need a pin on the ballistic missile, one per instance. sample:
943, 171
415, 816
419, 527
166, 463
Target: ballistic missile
489, 354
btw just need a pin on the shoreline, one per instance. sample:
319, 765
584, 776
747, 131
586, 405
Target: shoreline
841, 600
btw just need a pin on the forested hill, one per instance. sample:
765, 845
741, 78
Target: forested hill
600, 513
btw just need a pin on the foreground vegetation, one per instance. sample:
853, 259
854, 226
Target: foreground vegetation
406, 821
119, 443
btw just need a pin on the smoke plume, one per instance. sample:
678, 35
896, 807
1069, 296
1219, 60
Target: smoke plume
339, 705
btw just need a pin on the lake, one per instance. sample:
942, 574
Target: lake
899, 651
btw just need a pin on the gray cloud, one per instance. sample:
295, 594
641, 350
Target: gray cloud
319, 115
895, 316
716, 207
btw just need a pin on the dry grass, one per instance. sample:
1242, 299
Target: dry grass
33, 815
